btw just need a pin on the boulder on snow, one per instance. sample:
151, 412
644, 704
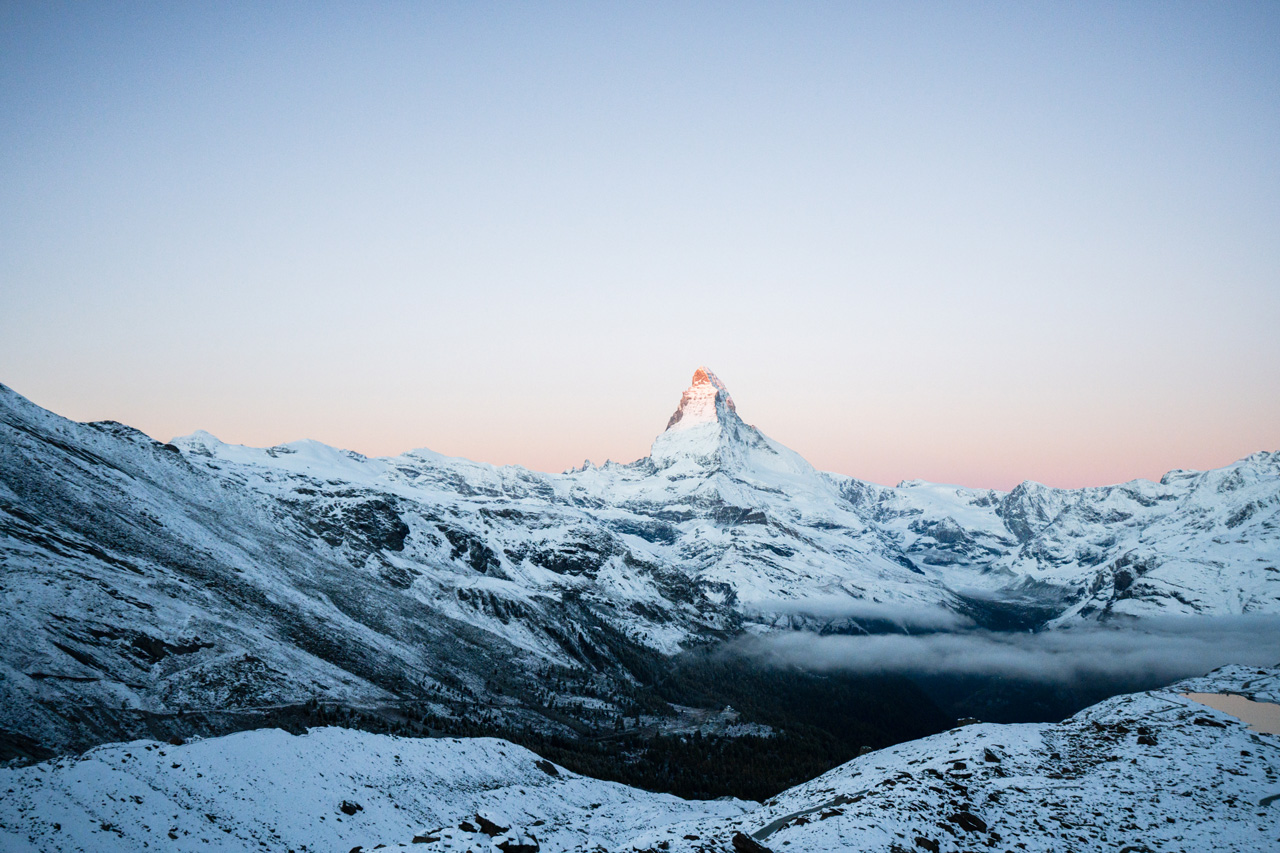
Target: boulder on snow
743, 843
968, 821
490, 828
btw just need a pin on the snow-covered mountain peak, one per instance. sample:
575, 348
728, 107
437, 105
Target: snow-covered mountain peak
706, 437
199, 442
706, 401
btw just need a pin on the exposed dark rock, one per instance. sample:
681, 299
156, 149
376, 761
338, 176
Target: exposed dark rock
947, 531
743, 843
155, 650
580, 556
493, 603
349, 808
398, 576
367, 525
656, 531
1024, 511
1127, 569
472, 550
490, 828
968, 821
733, 515
1243, 514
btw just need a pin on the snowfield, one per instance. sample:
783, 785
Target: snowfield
1150, 771
270, 790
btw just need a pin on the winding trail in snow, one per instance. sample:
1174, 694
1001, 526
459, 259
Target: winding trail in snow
841, 800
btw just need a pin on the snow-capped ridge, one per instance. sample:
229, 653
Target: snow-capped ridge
198, 440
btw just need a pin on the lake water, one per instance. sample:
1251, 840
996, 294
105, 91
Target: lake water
1261, 716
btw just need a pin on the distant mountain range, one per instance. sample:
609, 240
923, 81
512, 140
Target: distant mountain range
144, 580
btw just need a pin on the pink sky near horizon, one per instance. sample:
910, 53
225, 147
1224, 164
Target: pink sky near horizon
970, 243
977, 447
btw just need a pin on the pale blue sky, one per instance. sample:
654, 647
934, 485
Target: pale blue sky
964, 242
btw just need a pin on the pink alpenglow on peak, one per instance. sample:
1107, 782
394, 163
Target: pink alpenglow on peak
698, 404
706, 438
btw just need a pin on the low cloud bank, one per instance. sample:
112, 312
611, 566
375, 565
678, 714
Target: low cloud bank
836, 607
1153, 650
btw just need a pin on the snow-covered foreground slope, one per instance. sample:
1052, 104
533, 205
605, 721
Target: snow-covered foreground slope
142, 579
269, 790
1152, 771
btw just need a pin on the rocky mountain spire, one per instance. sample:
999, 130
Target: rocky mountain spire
702, 402
706, 436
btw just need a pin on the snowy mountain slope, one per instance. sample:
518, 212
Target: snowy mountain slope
138, 586
1150, 771
270, 790
1194, 543
142, 579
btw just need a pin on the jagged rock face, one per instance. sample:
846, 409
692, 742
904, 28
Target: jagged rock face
161, 576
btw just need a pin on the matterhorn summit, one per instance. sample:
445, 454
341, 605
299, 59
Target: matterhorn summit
703, 402
705, 436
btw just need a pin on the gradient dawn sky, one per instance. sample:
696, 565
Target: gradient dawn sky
970, 243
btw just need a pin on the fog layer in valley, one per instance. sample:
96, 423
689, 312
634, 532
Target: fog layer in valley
1154, 651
